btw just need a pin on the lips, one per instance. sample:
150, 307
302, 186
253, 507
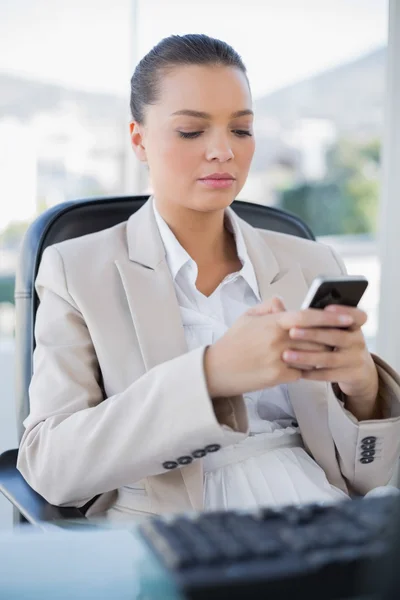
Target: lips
218, 181
218, 177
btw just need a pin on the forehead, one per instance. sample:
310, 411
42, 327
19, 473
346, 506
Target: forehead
211, 89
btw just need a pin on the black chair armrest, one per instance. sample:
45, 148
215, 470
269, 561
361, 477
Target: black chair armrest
29, 503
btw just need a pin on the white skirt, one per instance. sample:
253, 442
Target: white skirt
266, 469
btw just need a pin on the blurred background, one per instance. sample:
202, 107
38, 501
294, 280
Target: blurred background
317, 71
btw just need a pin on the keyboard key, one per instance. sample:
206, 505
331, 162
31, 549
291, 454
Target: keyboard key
248, 532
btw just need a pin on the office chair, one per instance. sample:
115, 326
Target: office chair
62, 222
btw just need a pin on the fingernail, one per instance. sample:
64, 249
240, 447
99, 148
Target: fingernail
345, 319
290, 355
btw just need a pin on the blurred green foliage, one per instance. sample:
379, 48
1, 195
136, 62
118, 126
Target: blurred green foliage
346, 200
12, 235
7, 284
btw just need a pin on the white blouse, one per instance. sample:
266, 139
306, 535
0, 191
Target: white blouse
270, 467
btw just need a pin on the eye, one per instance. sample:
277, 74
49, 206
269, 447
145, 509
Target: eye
189, 135
242, 132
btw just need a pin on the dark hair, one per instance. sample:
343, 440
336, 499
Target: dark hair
176, 50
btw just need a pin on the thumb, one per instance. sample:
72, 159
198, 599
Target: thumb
269, 307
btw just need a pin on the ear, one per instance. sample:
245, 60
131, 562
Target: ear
137, 140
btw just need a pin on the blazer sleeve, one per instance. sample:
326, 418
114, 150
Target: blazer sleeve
77, 443
368, 451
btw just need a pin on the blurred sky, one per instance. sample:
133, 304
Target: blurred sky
91, 44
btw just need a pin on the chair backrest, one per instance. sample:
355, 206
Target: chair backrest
80, 217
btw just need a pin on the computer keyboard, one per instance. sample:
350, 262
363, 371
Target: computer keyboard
324, 552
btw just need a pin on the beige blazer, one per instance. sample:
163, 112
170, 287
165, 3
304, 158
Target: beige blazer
115, 395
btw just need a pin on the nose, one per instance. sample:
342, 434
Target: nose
219, 149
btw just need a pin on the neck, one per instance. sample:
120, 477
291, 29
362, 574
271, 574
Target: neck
202, 235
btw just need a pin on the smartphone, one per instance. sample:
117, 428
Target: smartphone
346, 290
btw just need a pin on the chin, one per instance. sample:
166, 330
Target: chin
213, 201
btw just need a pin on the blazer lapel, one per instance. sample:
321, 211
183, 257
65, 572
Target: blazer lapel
271, 278
150, 291
154, 308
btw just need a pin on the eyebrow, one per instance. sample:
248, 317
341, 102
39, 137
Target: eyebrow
203, 115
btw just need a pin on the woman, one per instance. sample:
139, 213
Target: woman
173, 369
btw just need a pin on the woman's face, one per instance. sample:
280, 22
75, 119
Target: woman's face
201, 126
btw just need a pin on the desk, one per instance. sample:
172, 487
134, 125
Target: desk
83, 563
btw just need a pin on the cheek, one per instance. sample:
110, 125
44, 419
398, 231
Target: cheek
174, 154
244, 154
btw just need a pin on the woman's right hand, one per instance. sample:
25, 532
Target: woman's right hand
249, 356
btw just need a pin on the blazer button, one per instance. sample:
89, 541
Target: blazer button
366, 461
212, 448
185, 460
199, 453
368, 453
369, 440
170, 464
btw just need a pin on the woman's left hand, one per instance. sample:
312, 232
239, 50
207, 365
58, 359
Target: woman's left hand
348, 363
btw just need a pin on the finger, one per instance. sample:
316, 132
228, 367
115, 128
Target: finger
359, 316
320, 360
332, 337
331, 375
277, 304
274, 305
309, 346
301, 367
314, 317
